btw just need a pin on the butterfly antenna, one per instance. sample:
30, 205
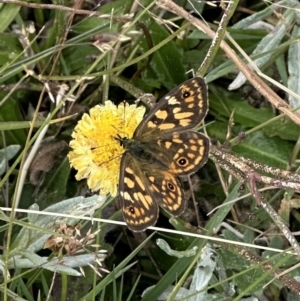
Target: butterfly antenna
124, 119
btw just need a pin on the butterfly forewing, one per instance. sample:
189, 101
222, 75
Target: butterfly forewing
183, 108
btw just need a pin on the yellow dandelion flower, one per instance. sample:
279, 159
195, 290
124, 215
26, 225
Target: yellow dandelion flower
96, 154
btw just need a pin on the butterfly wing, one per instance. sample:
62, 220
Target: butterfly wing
181, 109
183, 152
168, 191
140, 210
142, 191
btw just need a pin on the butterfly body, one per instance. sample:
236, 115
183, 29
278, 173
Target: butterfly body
142, 151
164, 147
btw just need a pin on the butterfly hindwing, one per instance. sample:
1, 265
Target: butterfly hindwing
141, 193
168, 191
140, 210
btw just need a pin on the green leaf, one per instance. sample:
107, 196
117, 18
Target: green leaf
7, 15
166, 61
179, 254
55, 184
223, 103
272, 151
10, 111
114, 8
10, 48
7, 154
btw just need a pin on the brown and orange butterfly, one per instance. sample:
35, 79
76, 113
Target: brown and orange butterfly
164, 147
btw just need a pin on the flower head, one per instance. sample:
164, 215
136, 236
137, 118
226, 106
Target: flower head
96, 153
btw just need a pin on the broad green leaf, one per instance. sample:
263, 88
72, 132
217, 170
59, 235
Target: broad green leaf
7, 154
166, 62
223, 103
10, 111
7, 15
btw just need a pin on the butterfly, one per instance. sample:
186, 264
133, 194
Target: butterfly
163, 148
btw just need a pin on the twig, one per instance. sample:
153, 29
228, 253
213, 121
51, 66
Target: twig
273, 214
66, 9
245, 168
218, 38
242, 168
